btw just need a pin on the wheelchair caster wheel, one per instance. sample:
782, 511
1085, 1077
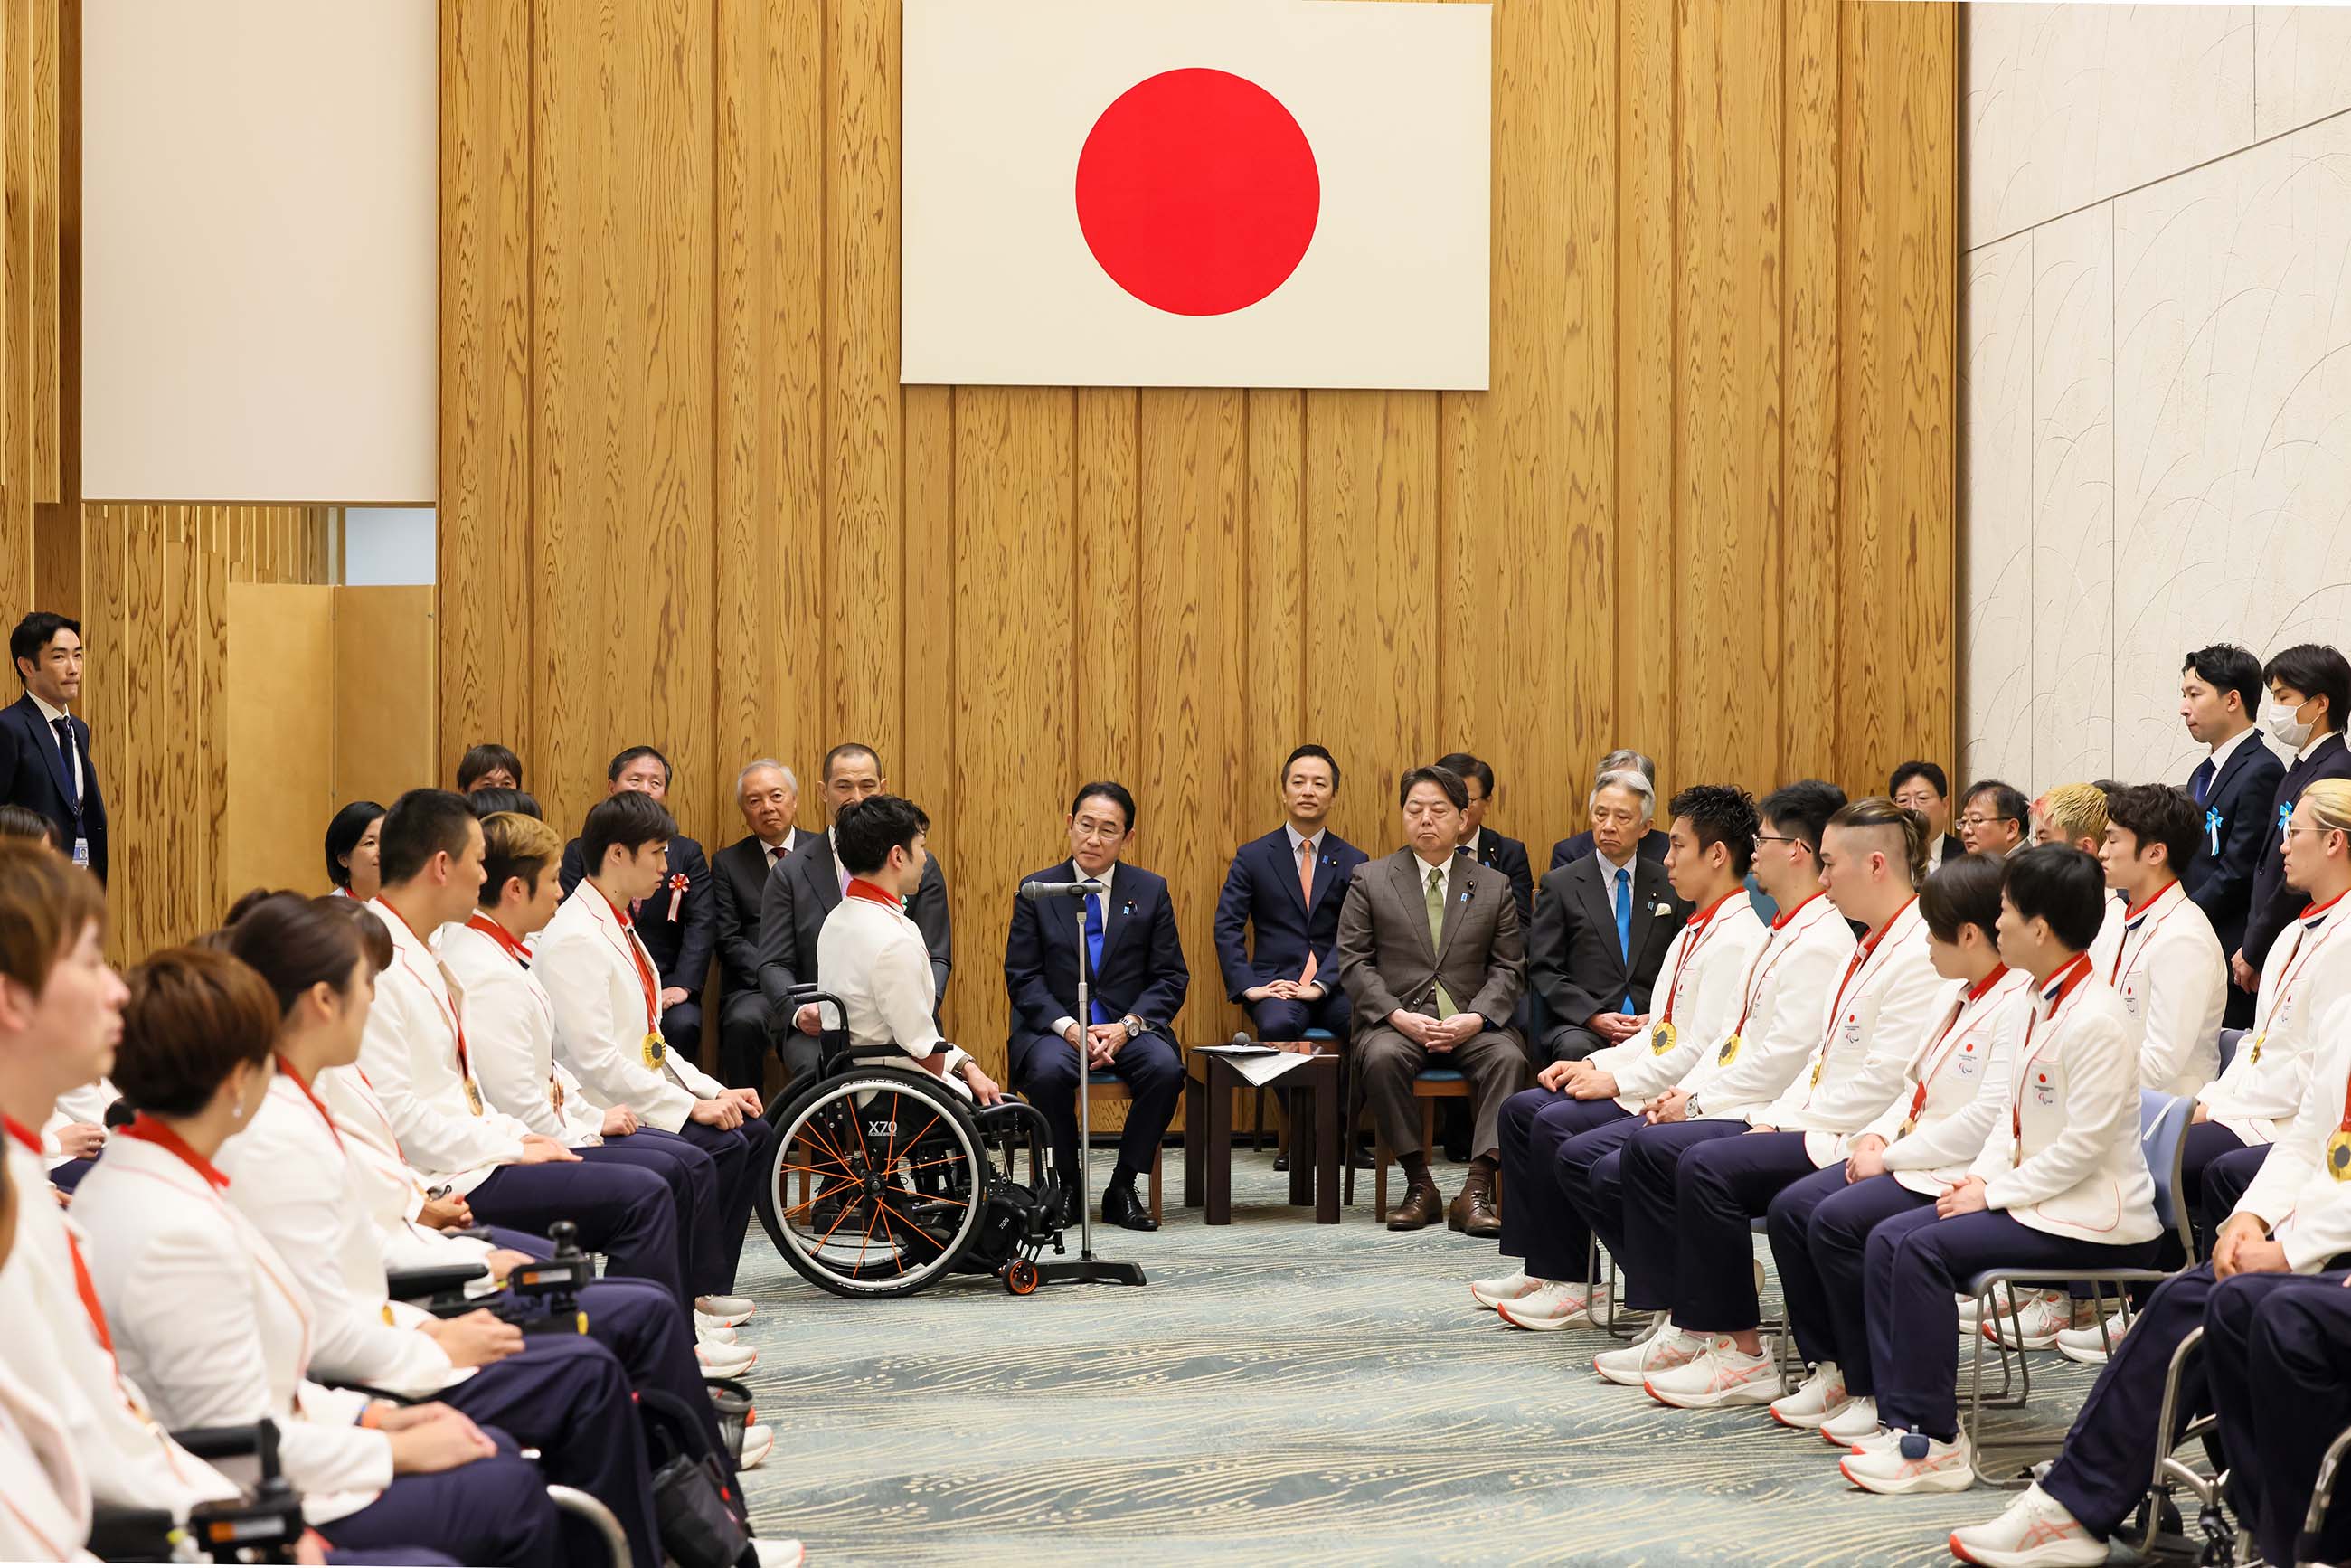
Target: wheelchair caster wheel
1020, 1276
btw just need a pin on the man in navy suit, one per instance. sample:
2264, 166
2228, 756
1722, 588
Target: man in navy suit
1290, 885
679, 924
1494, 851
2310, 693
1136, 982
1653, 842
44, 762
2236, 788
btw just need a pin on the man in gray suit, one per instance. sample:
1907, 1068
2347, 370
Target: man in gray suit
1434, 963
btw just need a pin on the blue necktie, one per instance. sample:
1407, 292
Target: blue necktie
1624, 924
2201, 783
1093, 957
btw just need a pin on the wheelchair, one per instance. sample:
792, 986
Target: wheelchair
886, 1178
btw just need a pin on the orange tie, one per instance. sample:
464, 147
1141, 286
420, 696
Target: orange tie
1306, 888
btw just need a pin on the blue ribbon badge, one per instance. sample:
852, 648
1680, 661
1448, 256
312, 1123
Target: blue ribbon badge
2212, 828
2285, 821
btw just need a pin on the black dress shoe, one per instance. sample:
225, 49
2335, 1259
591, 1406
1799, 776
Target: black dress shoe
1281, 1162
1121, 1207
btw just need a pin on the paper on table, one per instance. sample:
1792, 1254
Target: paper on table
1261, 1071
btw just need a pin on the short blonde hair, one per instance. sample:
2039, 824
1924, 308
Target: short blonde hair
514, 845
2076, 811
2329, 801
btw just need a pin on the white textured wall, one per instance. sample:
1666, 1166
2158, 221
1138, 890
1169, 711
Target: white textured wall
2156, 305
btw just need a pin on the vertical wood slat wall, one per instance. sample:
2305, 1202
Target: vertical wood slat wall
1706, 508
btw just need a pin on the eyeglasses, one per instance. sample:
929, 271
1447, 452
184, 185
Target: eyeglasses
1974, 821
1762, 839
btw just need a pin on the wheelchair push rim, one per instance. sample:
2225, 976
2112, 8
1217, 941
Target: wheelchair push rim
878, 1183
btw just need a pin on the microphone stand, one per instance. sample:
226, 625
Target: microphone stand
1086, 1269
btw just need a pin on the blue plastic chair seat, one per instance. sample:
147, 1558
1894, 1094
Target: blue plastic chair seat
1440, 1075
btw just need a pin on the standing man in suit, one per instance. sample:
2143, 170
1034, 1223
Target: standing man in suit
44, 762
1602, 927
1993, 818
678, 922
2235, 791
769, 798
1481, 843
1434, 963
2310, 692
802, 890
1653, 843
1923, 787
1135, 980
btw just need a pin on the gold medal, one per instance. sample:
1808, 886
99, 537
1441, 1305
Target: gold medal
474, 1096
1662, 1037
654, 1048
1729, 1053
2338, 1155
555, 1096
2256, 1057
1816, 1071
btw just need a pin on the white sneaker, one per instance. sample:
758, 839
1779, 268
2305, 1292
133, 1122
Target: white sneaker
1914, 1462
1972, 1313
1632, 1365
1720, 1374
1560, 1303
758, 1442
1816, 1399
1855, 1424
2041, 1317
779, 1554
724, 1360
728, 1310
710, 1331
2036, 1532
2088, 1346
1491, 1293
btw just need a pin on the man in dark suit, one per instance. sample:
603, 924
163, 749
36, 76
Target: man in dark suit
1602, 927
1289, 885
1136, 982
1653, 842
44, 762
1923, 786
769, 798
1481, 843
2310, 694
2235, 787
679, 924
802, 890
1434, 963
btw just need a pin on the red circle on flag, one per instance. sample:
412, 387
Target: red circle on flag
1198, 191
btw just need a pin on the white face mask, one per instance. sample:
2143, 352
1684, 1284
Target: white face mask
2279, 720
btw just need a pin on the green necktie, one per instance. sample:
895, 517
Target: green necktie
1437, 933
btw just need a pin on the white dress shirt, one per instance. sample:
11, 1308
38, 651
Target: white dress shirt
85, 1106
1783, 992
2221, 754
411, 1053
874, 958
1956, 1086
292, 1174
587, 961
1061, 1025
72, 754
510, 1030
52, 1347
2308, 1211
217, 1327
2174, 985
1877, 1010
2306, 972
1698, 982
2064, 1159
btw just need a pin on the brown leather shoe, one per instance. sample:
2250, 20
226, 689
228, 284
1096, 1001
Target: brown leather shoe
1473, 1212
1421, 1206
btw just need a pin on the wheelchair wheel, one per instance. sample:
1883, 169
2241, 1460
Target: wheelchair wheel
878, 1183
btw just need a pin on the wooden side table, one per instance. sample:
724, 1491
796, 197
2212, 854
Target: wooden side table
1209, 1083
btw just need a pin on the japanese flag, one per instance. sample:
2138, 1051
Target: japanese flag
1196, 193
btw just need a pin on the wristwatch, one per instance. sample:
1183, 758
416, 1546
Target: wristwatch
1133, 1025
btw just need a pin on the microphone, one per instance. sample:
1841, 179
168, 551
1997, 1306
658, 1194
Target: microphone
1241, 1037
1033, 890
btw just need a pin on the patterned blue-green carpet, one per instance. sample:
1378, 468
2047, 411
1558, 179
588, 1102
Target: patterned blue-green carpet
1281, 1392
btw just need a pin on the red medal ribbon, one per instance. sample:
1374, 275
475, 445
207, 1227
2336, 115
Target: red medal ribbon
1697, 928
285, 1069
2116, 975
2059, 990
457, 1024
498, 933
645, 977
1759, 973
1975, 994
22, 1133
